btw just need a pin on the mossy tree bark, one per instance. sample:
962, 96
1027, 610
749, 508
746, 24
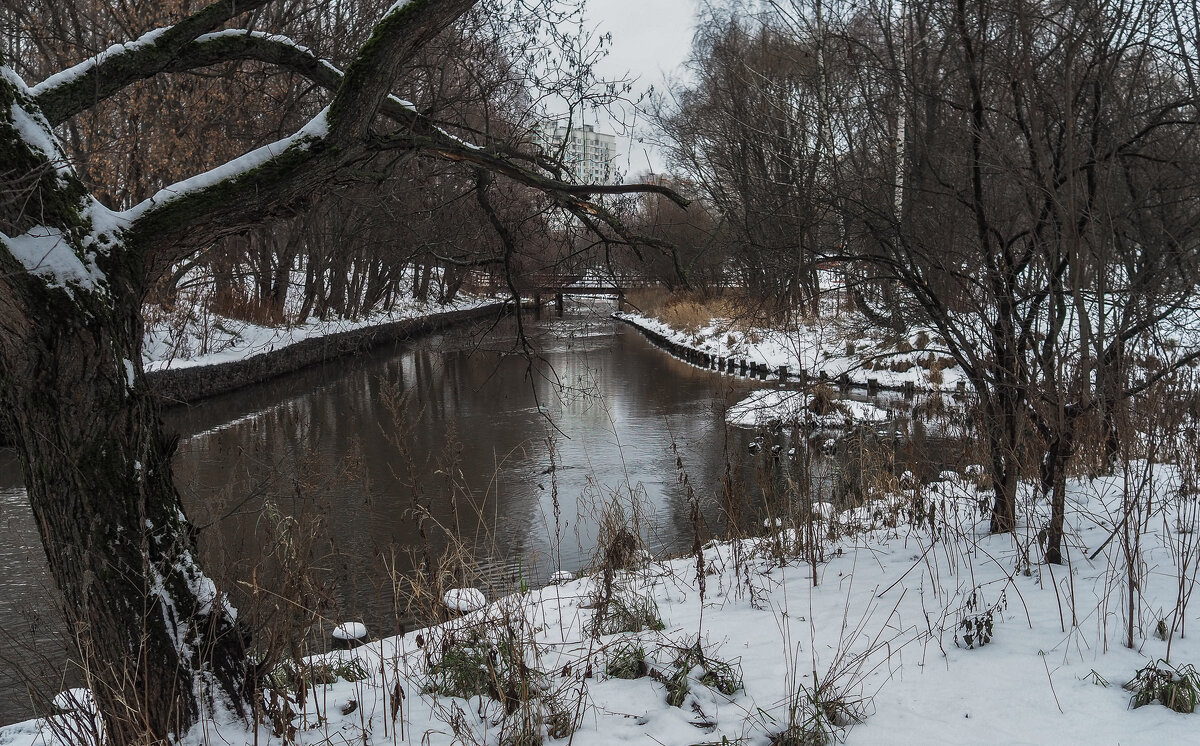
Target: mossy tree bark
157, 640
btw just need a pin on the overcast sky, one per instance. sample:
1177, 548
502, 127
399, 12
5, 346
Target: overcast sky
650, 40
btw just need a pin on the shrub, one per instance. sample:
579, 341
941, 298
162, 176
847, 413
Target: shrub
976, 622
627, 661
818, 716
625, 612
295, 676
822, 399
717, 674
492, 665
935, 373
1177, 688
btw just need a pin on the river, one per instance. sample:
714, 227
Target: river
310, 486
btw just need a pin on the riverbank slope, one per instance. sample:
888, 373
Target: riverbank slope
840, 349
888, 628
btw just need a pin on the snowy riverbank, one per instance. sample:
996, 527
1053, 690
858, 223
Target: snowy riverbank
839, 349
911, 635
189, 364
183, 341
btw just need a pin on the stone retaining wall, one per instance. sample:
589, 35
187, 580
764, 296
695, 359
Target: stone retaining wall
191, 384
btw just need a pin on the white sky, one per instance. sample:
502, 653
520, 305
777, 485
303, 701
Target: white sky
650, 40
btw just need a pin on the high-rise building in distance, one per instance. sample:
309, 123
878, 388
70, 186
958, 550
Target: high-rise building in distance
588, 154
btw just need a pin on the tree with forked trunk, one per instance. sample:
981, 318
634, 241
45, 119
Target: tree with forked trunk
160, 641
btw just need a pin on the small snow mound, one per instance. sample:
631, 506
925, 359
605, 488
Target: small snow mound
562, 576
771, 406
75, 700
350, 631
464, 600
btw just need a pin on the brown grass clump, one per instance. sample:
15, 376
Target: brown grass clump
822, 400
649, 301
686, 311
688, 315
935, 373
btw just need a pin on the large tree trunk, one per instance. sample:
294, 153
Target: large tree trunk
157, 640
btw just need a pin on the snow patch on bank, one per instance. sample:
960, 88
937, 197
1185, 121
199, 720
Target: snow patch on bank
772, 406
831, 348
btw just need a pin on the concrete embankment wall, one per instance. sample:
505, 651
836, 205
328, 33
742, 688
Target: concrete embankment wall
183, 385
741, 366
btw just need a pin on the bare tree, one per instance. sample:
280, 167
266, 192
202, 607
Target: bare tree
1018, 175
751, 134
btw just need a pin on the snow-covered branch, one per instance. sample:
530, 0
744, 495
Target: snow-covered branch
187, 216
78, 88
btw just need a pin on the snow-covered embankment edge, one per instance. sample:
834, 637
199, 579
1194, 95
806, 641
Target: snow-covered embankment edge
817, 352
273, 352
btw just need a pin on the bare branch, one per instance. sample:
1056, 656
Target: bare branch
403, 32
81, 87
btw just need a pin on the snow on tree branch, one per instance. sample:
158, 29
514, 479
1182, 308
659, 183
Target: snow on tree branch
188, 215
303, 139
72, 74
78, 88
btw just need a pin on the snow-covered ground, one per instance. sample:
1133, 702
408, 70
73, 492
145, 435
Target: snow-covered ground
830, 346
888, 645
770, 406
180, 341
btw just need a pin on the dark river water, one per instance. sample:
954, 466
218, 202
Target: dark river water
328, 486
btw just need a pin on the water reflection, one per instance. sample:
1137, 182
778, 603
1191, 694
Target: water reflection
359, 469
517, 454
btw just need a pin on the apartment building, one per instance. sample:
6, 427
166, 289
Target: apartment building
589, 154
